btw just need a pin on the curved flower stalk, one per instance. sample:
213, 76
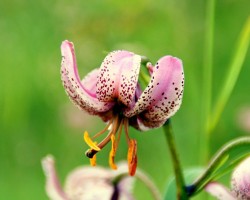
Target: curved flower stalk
113, 92
87, 183
240, 182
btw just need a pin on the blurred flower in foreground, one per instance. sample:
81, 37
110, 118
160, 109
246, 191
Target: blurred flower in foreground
87, 183
114, 93
240, 184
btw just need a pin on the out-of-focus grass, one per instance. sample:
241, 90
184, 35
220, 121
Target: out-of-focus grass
36, 116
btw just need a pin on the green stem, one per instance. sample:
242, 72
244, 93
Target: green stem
207, 83
144, 76
144, 60
180, 183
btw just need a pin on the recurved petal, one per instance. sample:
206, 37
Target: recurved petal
83, 97
163, 95
53, 187
118, 77
219, 191
89, 81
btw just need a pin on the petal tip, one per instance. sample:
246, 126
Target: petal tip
65, 46
47, 163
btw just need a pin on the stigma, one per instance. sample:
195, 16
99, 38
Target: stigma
114, 128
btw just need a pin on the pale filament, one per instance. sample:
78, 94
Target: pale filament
104, 130
115, 126
119, 132
126, 130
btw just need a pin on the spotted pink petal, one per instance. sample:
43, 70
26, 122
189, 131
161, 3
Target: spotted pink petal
219, 191
53, 187
89, 81
83, 97
118, 77
163, 95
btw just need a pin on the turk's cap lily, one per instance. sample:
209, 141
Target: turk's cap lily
114, 87
87, 183
115, 93
240, 183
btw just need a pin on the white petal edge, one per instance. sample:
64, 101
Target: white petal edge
219, 191
145, 125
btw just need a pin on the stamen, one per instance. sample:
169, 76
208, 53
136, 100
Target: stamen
104, 130
112, 153
126, 130
132, 157
93, 161
91, 152
115, 123
119, 132
89, 142
113, 131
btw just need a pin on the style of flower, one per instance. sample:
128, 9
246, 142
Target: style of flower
240, 182
87, 183
114, 93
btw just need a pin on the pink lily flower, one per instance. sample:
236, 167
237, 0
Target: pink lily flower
114, 93
240, 183
87, 183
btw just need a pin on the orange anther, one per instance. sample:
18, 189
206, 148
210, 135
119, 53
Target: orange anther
132, 157
112, 153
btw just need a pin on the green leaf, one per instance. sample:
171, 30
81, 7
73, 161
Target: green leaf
144, 76
189, 176
211, 173
233, 74
227, 158
230, 167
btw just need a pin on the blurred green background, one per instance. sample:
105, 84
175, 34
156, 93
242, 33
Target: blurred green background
37, 117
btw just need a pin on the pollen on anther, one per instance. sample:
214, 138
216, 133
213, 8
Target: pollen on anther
89, 142
112, 153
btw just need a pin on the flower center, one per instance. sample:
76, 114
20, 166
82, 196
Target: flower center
114, 126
